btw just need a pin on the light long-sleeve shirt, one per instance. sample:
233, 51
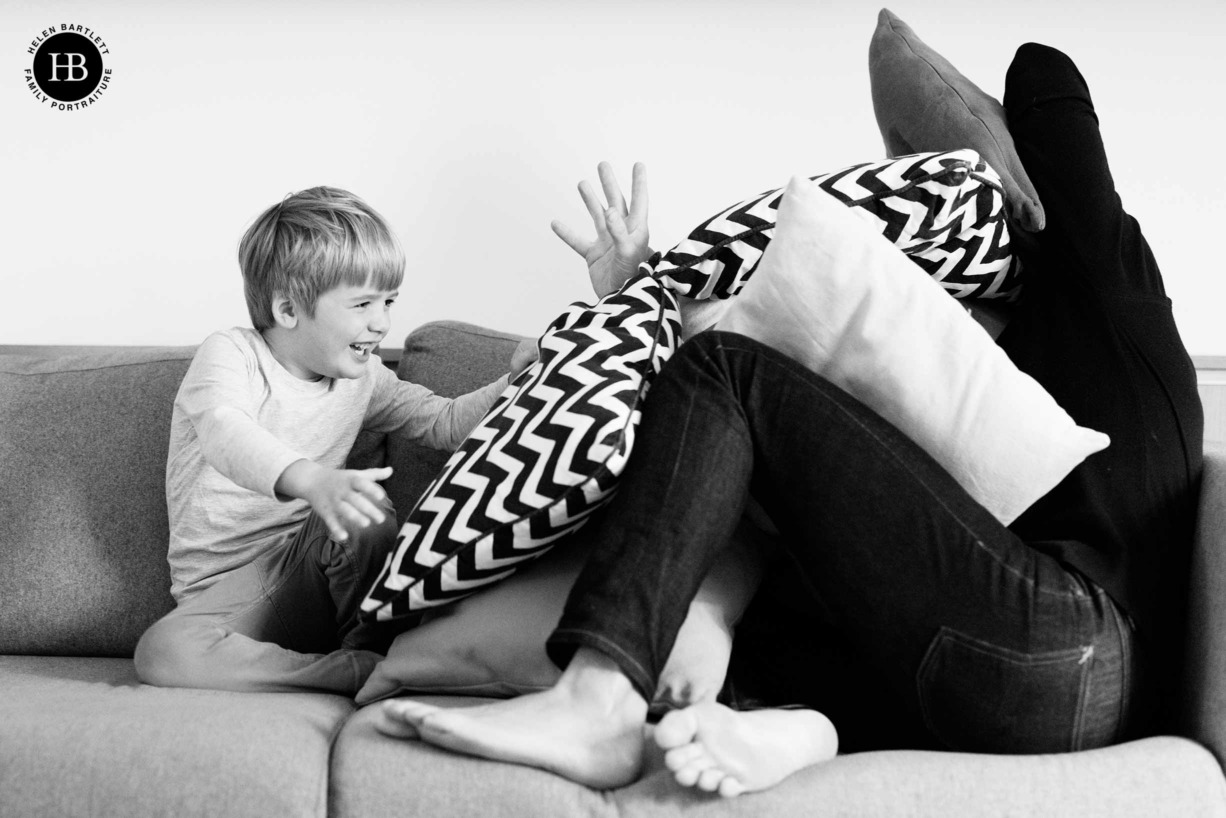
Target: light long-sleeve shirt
240, 418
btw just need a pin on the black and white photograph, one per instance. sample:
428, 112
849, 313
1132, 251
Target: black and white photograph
641, 409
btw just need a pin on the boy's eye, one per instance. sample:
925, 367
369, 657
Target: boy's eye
363, 305
390, 302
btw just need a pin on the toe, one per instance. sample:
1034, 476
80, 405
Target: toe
710, 779
690, 774
395, 727
408, 711
677, 728
731, 787
683, 756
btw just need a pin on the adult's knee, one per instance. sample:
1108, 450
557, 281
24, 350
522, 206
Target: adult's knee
707, 352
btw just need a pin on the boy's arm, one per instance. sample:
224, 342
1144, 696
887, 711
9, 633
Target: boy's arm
622, 235
217, 398
417, 413
339, 496
613, 257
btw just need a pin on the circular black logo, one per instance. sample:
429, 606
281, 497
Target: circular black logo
68, 67
67, 72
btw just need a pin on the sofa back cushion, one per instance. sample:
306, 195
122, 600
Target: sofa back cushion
83, 441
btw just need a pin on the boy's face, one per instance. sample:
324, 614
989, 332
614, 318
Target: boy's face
337, 342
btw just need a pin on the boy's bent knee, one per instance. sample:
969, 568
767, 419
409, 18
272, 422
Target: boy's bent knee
354, 529
167, 655
376, 539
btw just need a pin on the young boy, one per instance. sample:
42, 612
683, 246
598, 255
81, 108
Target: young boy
272, 541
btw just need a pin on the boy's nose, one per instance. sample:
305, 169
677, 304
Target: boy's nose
381, 321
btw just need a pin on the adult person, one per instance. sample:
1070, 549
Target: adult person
902, 612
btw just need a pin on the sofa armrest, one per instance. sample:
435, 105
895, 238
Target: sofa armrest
1205, 711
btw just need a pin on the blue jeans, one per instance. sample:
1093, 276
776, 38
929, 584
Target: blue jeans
966, 636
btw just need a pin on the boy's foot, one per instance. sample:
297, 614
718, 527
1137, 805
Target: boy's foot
716, 749
591, 735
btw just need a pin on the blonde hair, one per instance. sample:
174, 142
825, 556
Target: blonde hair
313, 241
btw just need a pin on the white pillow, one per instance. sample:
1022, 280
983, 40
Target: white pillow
836, 296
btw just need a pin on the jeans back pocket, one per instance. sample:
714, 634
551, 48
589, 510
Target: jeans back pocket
978, 697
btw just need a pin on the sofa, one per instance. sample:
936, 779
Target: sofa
83, 533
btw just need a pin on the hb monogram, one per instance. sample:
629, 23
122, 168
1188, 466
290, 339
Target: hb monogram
73, 64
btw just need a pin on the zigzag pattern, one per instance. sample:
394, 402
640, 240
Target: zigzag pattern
546, 455
944, 210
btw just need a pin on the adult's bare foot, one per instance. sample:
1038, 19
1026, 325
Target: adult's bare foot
588, 727
390, 720
698, 662
716, 749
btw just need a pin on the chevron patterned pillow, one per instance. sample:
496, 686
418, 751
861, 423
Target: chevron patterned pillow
545, 456
944, 210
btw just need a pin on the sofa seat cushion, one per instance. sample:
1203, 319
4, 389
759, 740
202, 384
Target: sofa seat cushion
82, 736
373, 774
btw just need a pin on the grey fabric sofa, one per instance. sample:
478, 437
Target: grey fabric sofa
83, 438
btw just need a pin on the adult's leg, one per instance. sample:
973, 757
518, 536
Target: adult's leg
987, 643
286, 621
948, 607
589, 727
1056, 129
1095, 328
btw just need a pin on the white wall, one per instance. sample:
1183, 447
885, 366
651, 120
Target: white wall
468, 123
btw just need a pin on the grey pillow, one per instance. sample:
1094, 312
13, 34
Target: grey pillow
922, 103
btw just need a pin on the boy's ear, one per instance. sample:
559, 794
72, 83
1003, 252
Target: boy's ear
284, 312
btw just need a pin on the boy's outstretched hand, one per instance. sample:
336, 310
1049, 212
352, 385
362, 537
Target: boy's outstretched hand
343, 498
621, 231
